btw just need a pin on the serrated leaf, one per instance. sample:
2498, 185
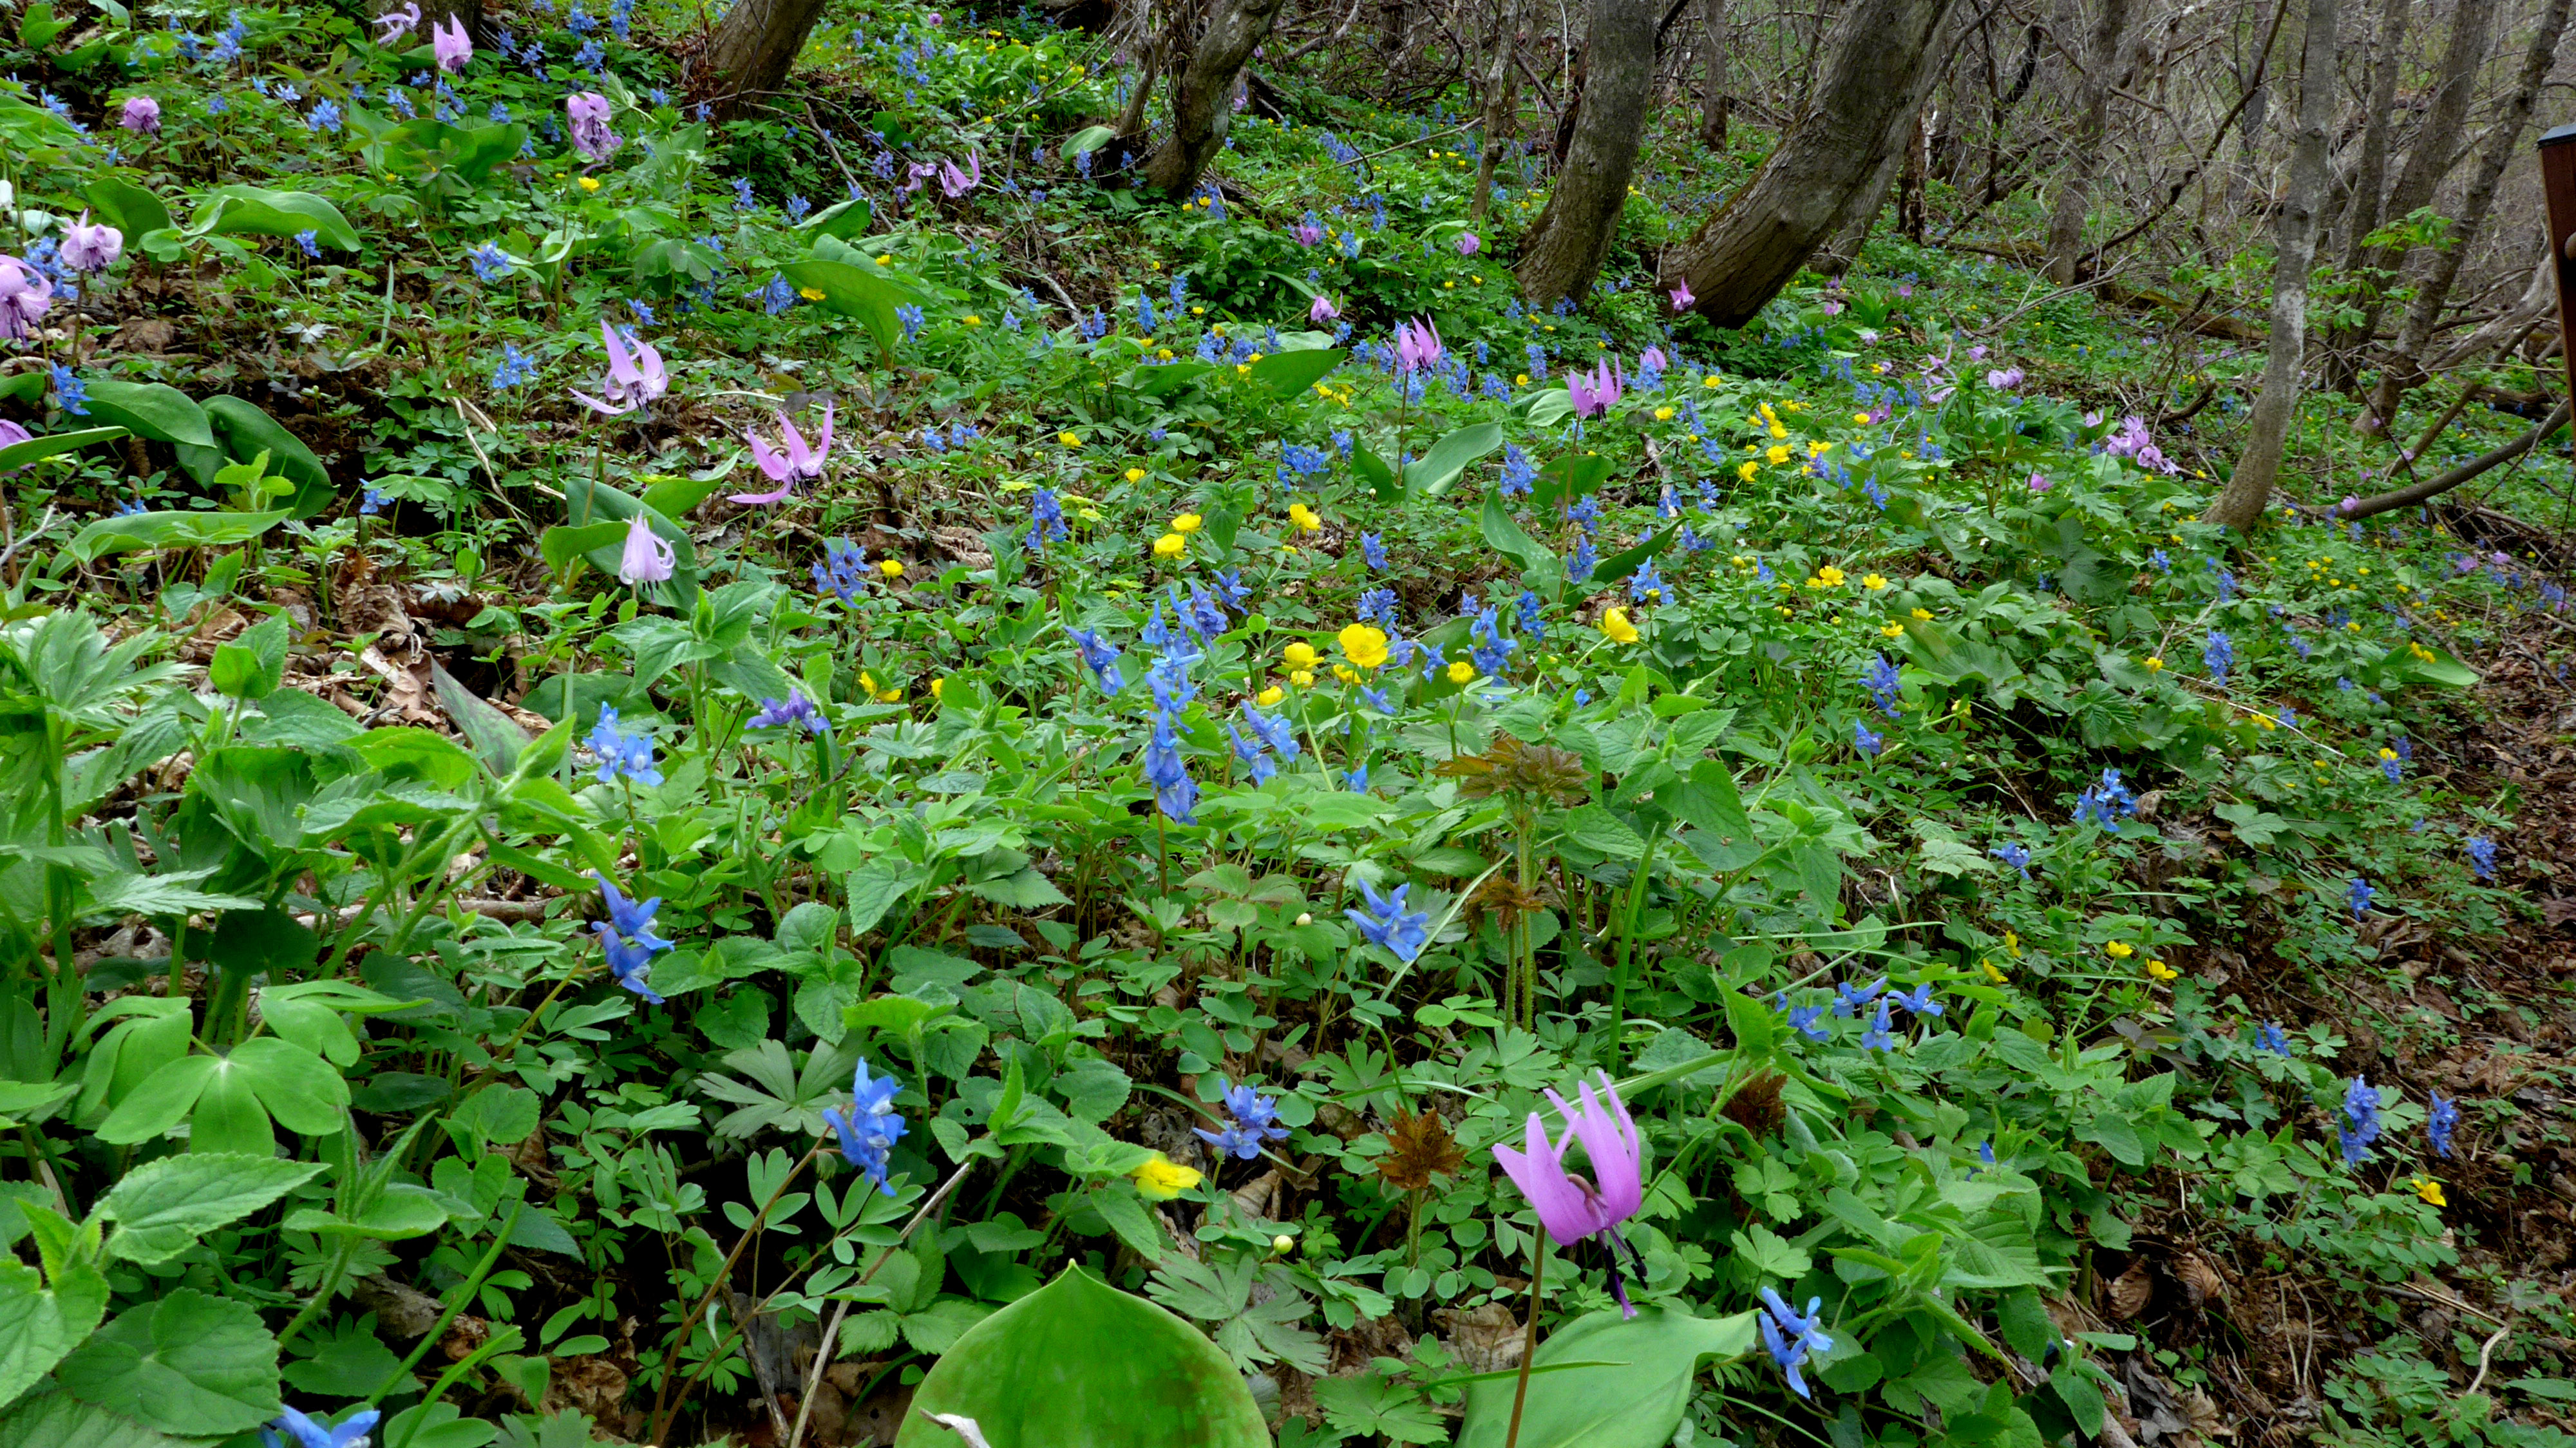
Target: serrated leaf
190, 1364
161, 1206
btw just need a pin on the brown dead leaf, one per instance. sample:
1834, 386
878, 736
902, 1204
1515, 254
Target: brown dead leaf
2200, 1280
1419, 1147
2131, 1291
1487, 1340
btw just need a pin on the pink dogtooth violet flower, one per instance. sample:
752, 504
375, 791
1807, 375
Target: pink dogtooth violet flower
1682, 297
1469, 243
1571, 1207
89, 247
957, 183
449, 42
799, 464
634, 378
647, 559
398, 23
1417, 344
1593, 392
1323, 310
141, 115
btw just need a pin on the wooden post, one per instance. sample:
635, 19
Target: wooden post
2558, 178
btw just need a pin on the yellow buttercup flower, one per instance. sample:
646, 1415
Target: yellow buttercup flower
1828, 577
1746, 472
2161, 973
1300, 655
972, 320
1893, 629
1270, 696
1363, 645
1861, 417
1663, 414
1346, 673
2430, 1190
1069, 439
1306, 519
938, 687
1461, 672
2154, 664
1135, 475
1303, 678
1170, 545
589, 183
1709, 381
1187, 523
1778, 455
1162, 1178
891, 568
1924, 614
1614, 622
1874, 582
890, 696
2120, 949
815, 294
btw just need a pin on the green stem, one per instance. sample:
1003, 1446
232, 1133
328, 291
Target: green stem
1529, 1340
464, 1294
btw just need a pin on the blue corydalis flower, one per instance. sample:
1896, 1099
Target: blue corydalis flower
1790, 1336
2360, 1125
868, 1127
795, 710
2015, 855
1387, 923
2443, 1120
307, 1433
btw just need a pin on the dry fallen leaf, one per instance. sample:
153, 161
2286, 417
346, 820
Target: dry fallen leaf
2130, 1292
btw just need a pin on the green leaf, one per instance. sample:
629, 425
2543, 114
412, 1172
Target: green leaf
1619, 565
1088, 139
841, 219
53, 444
1036, 1376
1504, 535
496, 736
1374, 472
160, 1102
150, 410
1432, 474
1598, 830
402, 1213
1632, 1398
251, 665
161, 1207
298, 1087
1568, 477
127, 207
57, 1421
591, 501
501, 1115
228, 1118
1288, 373
257, 211
245, 432
168, 530
562, 544
189, 1363
40, 1324
853, 290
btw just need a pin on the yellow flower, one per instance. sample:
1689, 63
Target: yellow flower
1069, 439
1893, 629
887, 259
1461, 672
1135, 475
2154, 664
972, 320
2161, 973
1778, 454
1346, 673
2388, 754
1924, 614
1306, 519
938, 687
1830, 576
1270, 696
1520, 379
589, 183
2120, 949
1663, 414
2012, 943
867, 683
1709, 381
1861, 417
890, 696
2430, 1190
1170, 545
1992, 974
815, 294
1300, 655
1874, 582
1187, 523
1746, 472
891, 568
1614, 622
1162, 1178
1303, 678
1363, 645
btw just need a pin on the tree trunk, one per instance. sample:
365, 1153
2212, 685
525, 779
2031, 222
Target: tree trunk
1841, 252
2093, 117
1203, 93
2361, 215
1566, 245
1394, 23
2428, 156
1884, 56
2403, 369
2249, 489
1499, 94
1713, 103
753, 49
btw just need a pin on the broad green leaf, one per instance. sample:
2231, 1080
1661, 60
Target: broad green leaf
40, 1324
53, 444
842, 219
298, 1087
1288, 373
162, 1101
162, 1206
1035, 1376
1374, 472
561, 544
1504, 534
403, 1212
1089, 138
497, 737
1432, 474
168, 530
1632, 1396
56, 1420
1619, 565
250, 666
258, 211
228, 1118
127, 207
852, 291
245, 432
1598, 830
188, 1363
150, 410
592, 502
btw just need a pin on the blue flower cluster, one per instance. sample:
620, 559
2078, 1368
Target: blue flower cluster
1387, 923
2107, 802
622, 756
1253, 1120
627, 938
2360, 1124
844, 570
868, 1127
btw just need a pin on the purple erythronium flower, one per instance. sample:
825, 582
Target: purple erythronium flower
1469, 243
635, 377
25, 295
1682, 298
1790, 1336
89, 247
2444, 1120
398, 23
2004, 379
589, 112
306, 1433
1593, 392
646, 559
141, 115
1387, 923
1323, 310
957, 183
1570, 1207
1417, 344
449, 42
802, 463
794, 711
868, 1126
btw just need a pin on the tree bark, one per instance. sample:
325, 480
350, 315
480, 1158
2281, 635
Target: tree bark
1499, 95
753, 49
1203, 93
2428, 156
1566, 245
1713, 102
1884, 56
1841, 252
2404, 368
2249, 489
2361, 212
2093, 117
